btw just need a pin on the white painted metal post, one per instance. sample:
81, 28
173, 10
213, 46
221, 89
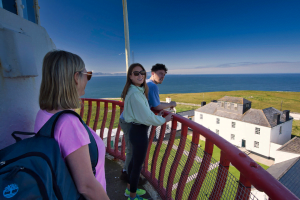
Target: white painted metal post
20, 8
37, 12
126, 33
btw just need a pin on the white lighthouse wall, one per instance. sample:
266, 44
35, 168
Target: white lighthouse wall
19, 93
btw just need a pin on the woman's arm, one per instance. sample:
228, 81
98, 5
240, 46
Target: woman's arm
79, 163
142, 112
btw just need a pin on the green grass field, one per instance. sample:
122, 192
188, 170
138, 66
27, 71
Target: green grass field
296, 128
260, 99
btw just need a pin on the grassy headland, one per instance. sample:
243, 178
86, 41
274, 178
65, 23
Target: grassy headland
259, 99
296, 128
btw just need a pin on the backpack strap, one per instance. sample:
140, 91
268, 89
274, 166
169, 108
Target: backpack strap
18, 139
48, 131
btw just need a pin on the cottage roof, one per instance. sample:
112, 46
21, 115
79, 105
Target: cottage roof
189, 113
291, 179
292, 146
239, 100
279, 169
287, 172
269, 113
254, 116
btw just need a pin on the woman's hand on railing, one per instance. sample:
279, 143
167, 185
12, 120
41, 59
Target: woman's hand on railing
169, 117
160, 113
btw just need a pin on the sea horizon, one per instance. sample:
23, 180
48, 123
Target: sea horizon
112, 86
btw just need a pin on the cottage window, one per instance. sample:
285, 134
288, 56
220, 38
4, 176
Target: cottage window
247, 105
232, 136
228, 105
233, 124
218, 120
222, 104
256, 144
280, 130
235, 106
201, 116
217, 131
257, 131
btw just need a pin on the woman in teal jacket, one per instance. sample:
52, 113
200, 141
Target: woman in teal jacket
138, 113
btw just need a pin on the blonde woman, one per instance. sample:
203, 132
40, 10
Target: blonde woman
138, 113
64, 78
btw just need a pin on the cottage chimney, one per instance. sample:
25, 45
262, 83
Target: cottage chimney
276, 118
203, 103
168, 99
287, 114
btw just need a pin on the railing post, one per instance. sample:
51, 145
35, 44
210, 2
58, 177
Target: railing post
156, 151
82, 108
155, 157
104, 120
166, 157
244, 189
116, 147
145, 167
96, 116
89, 113
209, 147
188, 165
176, 161
123, 139
221, 177
112, 120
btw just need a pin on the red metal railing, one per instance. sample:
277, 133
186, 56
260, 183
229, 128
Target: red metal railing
161, 165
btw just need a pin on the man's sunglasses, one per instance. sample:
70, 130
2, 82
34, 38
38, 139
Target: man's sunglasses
88, 74
136, 73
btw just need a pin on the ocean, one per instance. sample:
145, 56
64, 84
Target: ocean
112, 86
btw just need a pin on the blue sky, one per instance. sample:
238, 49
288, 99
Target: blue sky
189, 37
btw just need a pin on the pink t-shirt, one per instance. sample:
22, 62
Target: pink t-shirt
71, 135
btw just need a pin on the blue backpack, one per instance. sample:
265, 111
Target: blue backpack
33, 168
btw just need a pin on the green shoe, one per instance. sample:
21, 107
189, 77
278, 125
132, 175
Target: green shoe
137, 197
139, 192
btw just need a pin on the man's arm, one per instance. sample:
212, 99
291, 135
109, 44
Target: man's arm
162, 105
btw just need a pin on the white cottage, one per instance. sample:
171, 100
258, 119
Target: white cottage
259, 131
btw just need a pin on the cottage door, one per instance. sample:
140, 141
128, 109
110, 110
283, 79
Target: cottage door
243, 143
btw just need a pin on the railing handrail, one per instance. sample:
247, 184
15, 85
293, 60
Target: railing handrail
249, 169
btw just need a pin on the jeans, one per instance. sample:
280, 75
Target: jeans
139, 140
128, 146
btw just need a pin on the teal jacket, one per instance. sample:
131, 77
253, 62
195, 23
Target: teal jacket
137, 110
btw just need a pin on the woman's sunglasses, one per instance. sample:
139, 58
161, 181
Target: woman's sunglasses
136, 73
88, 74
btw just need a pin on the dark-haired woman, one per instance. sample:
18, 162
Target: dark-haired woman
138, 113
